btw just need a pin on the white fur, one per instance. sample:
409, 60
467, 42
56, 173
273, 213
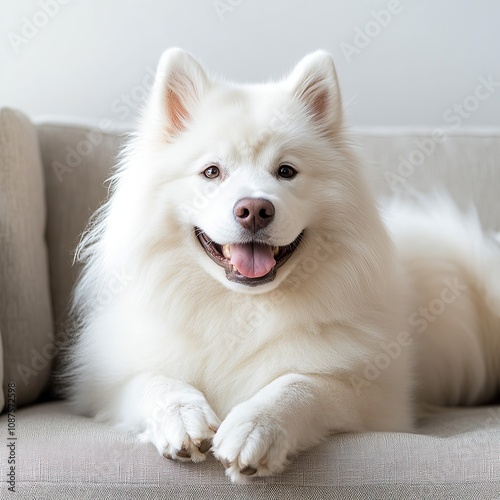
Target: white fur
333, 343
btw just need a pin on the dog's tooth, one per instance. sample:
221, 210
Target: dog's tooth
226, 251
276, 251
235, 269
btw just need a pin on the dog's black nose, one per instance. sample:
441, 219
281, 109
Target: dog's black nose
253, 213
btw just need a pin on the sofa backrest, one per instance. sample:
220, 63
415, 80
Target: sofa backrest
465, 164
77, 163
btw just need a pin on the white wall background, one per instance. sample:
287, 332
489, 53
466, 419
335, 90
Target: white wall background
93, 58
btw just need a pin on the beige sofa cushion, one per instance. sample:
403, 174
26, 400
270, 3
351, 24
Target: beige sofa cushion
456, 454
25, 308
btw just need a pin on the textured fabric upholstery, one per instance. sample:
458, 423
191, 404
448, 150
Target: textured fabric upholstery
25, 308
77, 162
465, 165
455, 455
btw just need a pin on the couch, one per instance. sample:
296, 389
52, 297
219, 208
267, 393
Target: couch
52, 177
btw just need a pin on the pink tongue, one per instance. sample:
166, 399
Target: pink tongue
252, 260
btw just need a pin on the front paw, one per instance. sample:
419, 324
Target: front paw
252, 442
182, 427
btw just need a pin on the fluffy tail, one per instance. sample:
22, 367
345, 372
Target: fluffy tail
452, 267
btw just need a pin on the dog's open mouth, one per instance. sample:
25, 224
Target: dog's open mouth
250, 264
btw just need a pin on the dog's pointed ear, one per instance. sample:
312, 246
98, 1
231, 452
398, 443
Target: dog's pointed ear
180, 84
314, 83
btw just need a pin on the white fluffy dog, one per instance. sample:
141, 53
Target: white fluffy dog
266, 303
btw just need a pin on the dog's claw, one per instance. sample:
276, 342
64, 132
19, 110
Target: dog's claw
168, 456
205, 445
183, 453
225, 463
248, 470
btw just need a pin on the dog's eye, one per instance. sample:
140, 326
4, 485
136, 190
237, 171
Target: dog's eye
286, 172
211, 172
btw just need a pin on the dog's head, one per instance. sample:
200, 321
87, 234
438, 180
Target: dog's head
250, 173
